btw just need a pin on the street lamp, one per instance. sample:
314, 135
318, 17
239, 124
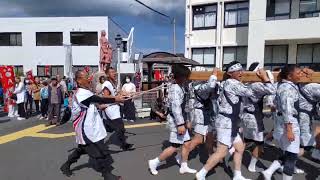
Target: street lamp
118, 40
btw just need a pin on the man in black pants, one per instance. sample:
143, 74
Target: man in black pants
112, 112
90, 130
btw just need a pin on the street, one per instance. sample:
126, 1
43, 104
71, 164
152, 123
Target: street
31, 151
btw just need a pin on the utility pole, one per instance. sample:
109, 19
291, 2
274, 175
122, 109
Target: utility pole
174, 35
172, 20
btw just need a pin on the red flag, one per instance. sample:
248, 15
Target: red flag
7, 81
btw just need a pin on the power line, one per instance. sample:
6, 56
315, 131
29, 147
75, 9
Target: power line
152, 9
173, 21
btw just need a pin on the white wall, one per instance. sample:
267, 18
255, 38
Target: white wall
305, 28
203, 38
235, 36
29, 55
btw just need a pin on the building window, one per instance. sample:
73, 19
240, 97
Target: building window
308, 54
278, 9
84, 38
275, 56
49, 38
92, 69
18, 70
205, 56
236, 14
204, 17
238, 53
43, 71
10, 39
308, 8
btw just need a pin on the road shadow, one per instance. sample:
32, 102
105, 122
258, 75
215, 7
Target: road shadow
4, 120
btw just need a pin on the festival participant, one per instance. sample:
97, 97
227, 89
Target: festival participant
179, 136
309, 97
112, 112
272, 106
89, 128
287, 131
228, 120
253, 115
202, 117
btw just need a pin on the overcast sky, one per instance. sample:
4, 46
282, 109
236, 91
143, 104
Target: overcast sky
156, 37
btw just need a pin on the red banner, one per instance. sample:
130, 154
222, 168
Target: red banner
7, 81
47, 70
157, 75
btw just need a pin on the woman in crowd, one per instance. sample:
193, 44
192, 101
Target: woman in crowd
44, 94
129, 109
20, 92
36, 86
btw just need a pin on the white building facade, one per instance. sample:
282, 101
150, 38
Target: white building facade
39, 43
272, 32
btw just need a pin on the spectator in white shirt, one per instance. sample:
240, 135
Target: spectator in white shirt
129, 109
20, 92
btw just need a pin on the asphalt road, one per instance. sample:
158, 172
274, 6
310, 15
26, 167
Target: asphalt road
39, 157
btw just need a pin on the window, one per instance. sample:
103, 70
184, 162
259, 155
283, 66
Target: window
308, 8
53, 70
84, 38
204, 17
93, 69
206, 56
10, 39
308, 54
236, 14
275, 56
278, 9
235, 54
18, 70
49, 38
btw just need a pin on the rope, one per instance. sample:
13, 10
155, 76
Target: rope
138, 94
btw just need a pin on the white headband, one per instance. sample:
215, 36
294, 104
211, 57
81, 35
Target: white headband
235, 67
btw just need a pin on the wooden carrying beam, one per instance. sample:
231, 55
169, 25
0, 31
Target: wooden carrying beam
249, 76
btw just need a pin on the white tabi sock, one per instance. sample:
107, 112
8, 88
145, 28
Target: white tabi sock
237, 173
269, 172
252, 165
203, 172
185, 169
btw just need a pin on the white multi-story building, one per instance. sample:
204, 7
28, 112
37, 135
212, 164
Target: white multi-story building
272, 32
37, 43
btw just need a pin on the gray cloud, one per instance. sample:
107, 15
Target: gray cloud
113, 8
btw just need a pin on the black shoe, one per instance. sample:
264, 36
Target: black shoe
65, 169
127, 147
110, 176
